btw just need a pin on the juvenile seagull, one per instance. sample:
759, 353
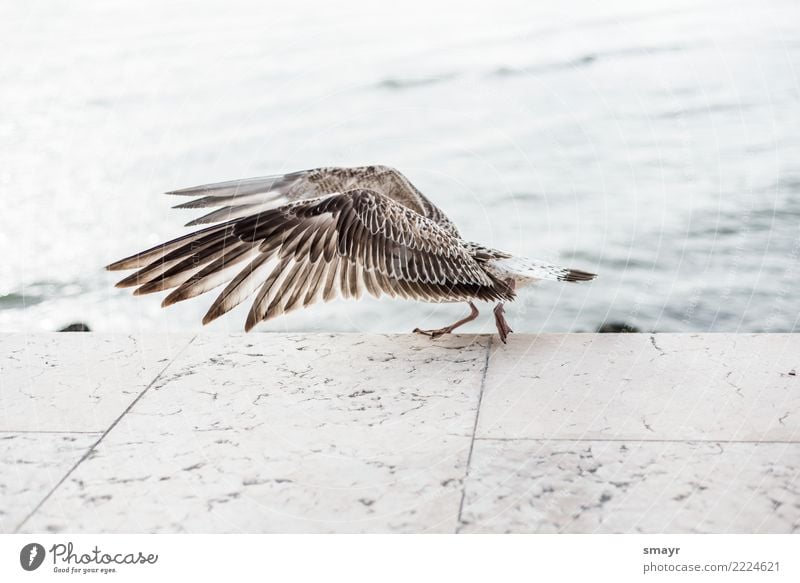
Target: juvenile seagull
294, 239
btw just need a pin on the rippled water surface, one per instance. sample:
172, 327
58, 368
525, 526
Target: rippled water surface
656, 143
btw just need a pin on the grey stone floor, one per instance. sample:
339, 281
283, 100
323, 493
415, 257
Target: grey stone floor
367, 433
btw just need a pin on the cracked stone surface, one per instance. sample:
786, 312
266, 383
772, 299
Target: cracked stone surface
373, 433
31, 465
619, 487
76, 381
268, 433
641, 386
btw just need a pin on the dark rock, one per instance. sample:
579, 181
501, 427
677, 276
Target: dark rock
616, 327
76, 327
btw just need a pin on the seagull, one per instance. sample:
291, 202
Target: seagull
295, 239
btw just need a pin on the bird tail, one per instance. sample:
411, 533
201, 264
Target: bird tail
534, 269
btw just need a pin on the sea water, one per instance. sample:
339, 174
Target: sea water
655, 143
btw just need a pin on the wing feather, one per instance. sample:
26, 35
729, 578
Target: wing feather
315, 282
297, 285
329, 291
252, 195
312, 249
259, 307
212, 275
149, 256
239, 289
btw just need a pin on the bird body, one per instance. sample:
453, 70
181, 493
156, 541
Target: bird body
314, 235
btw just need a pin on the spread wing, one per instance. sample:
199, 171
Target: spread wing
241, 198
316, 249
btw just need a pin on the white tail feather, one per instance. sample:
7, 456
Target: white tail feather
526, 270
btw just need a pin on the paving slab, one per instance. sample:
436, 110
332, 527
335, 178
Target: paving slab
373, 433
287, 433
77, 381
639, 386
31, 465
539, 486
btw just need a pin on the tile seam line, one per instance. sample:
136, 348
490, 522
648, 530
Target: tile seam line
637, 440
474, 434
108, 430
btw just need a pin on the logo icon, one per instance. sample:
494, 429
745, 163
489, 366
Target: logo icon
31, 556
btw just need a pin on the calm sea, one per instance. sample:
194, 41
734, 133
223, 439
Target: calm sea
656, 143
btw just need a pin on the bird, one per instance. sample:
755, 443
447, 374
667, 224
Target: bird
314, 235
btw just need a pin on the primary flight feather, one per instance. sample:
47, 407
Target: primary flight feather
312, 235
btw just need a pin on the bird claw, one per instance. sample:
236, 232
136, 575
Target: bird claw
434, 334
503, 329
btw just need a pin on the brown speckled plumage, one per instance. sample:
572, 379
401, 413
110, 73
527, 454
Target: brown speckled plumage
298, 238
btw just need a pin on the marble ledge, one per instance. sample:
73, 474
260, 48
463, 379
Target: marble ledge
398, 433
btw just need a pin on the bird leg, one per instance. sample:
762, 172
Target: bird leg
503, 329
447, 329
